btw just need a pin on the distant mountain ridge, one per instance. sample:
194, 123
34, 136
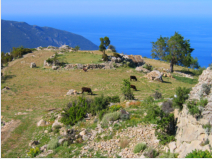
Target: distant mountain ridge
15, 34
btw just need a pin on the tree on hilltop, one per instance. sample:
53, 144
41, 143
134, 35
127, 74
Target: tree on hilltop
175, 49
105, 42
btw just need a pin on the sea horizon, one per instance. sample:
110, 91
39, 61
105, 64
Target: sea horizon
133, 34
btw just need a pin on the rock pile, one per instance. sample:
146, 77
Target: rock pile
155, 75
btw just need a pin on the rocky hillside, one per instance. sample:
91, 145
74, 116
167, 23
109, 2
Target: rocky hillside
190, 133
15, 34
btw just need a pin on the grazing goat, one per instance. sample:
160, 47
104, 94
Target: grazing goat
133, 78
86, 89
84, 69
134, 87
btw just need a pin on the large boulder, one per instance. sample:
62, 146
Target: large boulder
155, 75
42, 123
71, 92
32, 65
141, 69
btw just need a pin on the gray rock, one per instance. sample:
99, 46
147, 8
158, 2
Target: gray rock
56, 122
33, 143
43, 148
41, 123
72, 92
55, 67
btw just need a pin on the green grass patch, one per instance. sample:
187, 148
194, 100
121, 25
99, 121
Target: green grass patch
186, 80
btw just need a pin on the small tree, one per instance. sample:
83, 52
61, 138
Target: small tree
105, 42
112, 48
126, 91
175, 49
76, 48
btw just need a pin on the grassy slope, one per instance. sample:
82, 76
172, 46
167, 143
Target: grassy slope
41, 89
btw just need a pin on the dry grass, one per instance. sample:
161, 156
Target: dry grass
43, 88
124, 143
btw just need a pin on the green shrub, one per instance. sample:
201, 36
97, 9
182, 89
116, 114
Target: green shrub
193, 108
203, 102
169, 155
199, 154
139, 147
126, 91
33, 152
75, 111
182, 95
53, 144
116, 55
98, 104
206, 88
49, 60
148, 100
101, 114
186, 80
148, 67
157, 95
114, 108
151, 153
110, 117
65, 144
113, 99
208, 128
165, 129
153, 112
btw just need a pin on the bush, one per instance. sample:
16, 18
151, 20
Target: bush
148, 67
102, 113
182, 95
114, 108
98, 104
206, 88
65, 144
151, 153
110, 117
186, 80
116, 55
199, 154
169, 155
105, 57
33, 152
167, 107
193, 108
113, 99
203, 102
165, 129
139, 147
53, 144
157, 95
126, 91
75, 111
148, 100
153, 113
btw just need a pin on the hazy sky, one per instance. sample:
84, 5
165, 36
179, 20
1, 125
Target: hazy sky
107, 7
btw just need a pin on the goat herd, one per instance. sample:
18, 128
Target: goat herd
86, 89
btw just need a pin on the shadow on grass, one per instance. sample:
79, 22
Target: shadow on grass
167, 82
6, 77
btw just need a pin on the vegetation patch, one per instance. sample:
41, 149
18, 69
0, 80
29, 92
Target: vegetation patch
186, 80
199, 154
139, 147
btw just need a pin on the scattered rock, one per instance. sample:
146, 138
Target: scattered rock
55, 67
33, 143
155, 75
42, 123
72, 92
33, 65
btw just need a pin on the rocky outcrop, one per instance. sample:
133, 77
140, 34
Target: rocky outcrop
141, 69
32, 65
190, 132
155, 75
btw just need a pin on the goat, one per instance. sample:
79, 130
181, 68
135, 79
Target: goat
133, 78
86, 89
133, 87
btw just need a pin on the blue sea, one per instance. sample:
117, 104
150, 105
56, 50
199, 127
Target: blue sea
134, 34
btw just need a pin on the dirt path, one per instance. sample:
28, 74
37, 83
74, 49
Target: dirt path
8, 128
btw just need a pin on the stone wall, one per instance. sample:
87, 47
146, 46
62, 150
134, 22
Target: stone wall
190, 133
